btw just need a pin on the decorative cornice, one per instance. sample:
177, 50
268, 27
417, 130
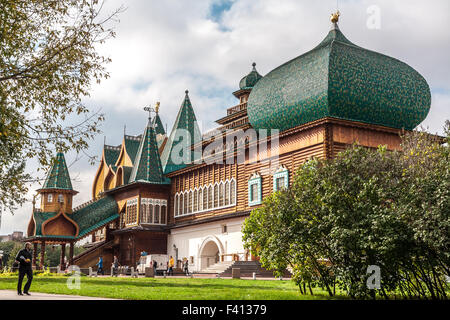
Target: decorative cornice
210, 219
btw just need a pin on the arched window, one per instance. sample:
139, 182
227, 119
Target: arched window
227, 193
153, 211
233, 191
200, 199
163, 214
147, 212
50, 198
157, 209
190, 200
254, 190
210, 197
195, 201
131, 217
60, 198
143, 215
221, 194
205, 198
150, 213
281, 179
216, 195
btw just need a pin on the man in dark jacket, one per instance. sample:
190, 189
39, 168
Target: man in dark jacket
24, 259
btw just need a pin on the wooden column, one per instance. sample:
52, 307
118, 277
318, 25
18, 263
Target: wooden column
41, 264
35, 247
71, 254
63, 253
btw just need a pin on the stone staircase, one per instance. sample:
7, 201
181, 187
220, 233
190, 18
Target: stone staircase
250, 267
224, 269
219, 267
89, 258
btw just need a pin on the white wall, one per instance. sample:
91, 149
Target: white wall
190, 240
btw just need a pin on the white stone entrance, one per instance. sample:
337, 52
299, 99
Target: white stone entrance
210, 252
193, 241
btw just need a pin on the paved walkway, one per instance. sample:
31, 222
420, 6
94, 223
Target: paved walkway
12, 295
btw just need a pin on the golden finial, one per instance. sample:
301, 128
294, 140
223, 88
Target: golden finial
335, 17
157, 107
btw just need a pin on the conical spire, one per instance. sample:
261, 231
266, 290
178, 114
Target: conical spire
147, 166
185, 132
157, 125
58, 176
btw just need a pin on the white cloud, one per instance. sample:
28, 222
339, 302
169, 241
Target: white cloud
440, 111
163, 48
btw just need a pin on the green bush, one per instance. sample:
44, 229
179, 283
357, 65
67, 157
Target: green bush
364, 208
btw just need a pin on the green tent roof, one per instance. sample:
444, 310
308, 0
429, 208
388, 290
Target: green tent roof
341, 80
157, 124
111, 154
58, 176
127, 174
132, 146
185, 133
147, 167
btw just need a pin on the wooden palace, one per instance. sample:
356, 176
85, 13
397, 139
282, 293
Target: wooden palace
144, 199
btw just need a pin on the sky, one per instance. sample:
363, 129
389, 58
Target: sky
162, 48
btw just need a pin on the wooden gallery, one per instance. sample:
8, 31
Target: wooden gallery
145, 199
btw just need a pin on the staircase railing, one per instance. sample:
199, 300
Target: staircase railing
91, 249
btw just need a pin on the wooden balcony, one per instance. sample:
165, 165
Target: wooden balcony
235, 124
239, 107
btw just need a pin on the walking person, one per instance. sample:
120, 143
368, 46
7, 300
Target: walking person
24, 259
100, 266
171, 265
155, 266
186, 267
115, 266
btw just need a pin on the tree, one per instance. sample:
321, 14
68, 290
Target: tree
7, 247
424, 206
48, 61
13, 253
365, 207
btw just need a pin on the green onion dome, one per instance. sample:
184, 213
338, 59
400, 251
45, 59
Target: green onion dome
341, 80
249, 81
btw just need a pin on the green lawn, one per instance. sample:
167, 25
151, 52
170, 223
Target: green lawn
169, 288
